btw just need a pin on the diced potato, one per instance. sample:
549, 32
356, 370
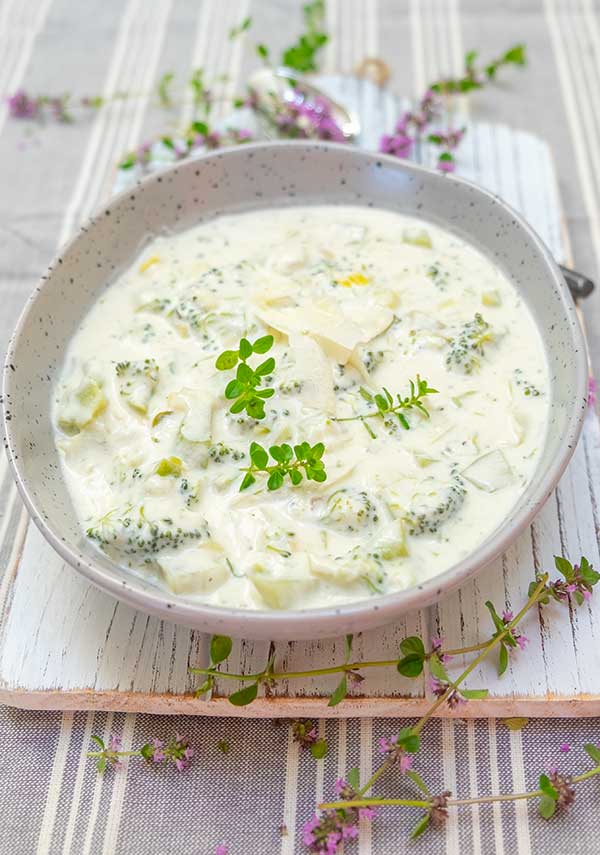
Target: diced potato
81, 406
281, 582
392, 543
417, 237
196, 424
194, 571
490, 472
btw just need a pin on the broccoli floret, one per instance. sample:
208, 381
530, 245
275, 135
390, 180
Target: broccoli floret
137, 381
528, 389
435, 508
128, 534
350, 509
467, 346
220, 452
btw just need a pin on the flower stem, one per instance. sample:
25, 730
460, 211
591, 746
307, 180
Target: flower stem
533, 599
113, 753
479, 800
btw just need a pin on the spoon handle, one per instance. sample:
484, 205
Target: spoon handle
579, 285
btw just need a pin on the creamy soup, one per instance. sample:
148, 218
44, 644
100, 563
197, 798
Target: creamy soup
301, 407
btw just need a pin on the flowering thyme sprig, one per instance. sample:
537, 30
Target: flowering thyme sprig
412, 124
383, 404
59, 108
177, 751
413, 656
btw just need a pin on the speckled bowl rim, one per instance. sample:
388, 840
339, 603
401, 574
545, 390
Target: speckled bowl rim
328, 621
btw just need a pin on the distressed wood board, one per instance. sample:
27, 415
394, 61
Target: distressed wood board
66, 645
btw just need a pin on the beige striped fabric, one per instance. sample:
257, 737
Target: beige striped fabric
256, 798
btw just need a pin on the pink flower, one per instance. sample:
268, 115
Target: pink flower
389, 746
564, 747
522, 641
446, 164
436, 646
159, 754
222, 849
21, 106
592, 392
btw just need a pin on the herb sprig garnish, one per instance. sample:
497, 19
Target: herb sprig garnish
287, 461
243, 390
384, 402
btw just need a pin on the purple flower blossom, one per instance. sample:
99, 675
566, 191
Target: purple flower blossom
389, 746
21, 106
517, 636
439, 809
446, 164
304, 732
592, 392
564, 747
440, 687
114, 743
222, 849
436, 646
325, 833
563, 784
177, 751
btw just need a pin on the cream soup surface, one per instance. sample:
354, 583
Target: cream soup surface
357, 301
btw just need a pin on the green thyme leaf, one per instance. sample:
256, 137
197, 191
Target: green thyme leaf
353, 778
340, 693
592, 751
244, 696
319, 749
417, 780
220, 648
410, 666
421, 826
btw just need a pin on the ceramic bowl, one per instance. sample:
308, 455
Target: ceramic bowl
256, 176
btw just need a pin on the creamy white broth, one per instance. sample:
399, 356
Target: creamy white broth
357, 300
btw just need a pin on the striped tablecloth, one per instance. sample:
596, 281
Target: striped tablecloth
255, 798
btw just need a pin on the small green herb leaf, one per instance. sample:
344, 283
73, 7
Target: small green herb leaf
436, 668
592, 751
340, 693
410, 666
546, 807
353, 778
421, 826
502, 659
412, 645
547, 788
408, 740
244, 696
319, 749
474, 694
99, 742
227, 360
220, 648
417, 780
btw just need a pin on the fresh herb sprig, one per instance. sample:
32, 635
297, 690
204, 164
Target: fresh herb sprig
243, 390
286, 461
338, 820
555, 792
474, 77
385, 405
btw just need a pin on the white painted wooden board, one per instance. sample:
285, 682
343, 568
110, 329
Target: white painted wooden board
65, 645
